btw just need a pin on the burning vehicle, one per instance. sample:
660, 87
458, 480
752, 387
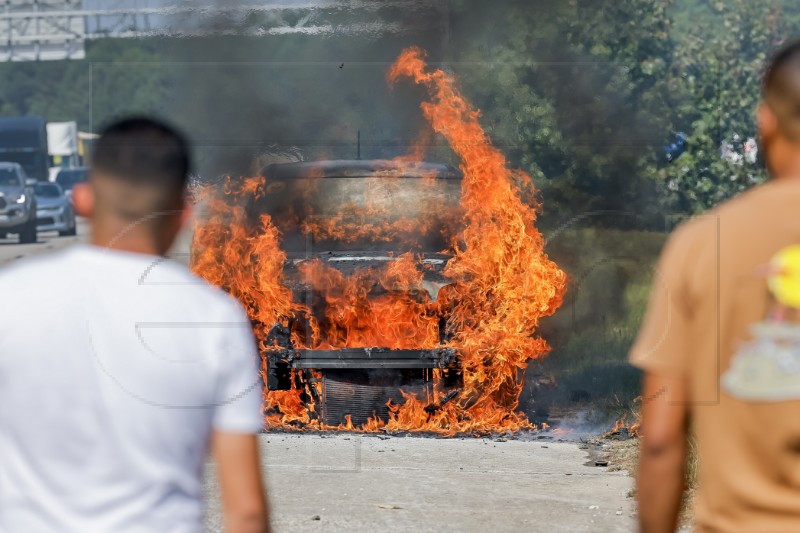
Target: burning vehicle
389, 294
367, 221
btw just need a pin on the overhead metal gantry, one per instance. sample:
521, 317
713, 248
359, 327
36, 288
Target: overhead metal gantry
32, 30
40, 30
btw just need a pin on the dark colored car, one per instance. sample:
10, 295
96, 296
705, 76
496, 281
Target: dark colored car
68, 177
17, 203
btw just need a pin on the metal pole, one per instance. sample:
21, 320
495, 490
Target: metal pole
37, 18
10, 31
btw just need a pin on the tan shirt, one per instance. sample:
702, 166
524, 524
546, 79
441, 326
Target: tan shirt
707, 292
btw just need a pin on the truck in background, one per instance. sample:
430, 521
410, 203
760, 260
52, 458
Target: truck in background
62, 143
70, 151
23, 140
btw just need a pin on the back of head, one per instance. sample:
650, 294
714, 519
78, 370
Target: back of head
781, 90
140, 168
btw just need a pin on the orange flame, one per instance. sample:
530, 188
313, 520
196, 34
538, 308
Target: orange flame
502, 284
631, 427
622, 424
504, 281
356, 319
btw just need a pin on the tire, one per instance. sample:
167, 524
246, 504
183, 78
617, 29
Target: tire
27, 234
72, 231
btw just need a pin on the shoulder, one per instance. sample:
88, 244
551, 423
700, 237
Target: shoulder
165, 272
21, 273
689, 238
703, 231
204, 294
756, 203
227, 305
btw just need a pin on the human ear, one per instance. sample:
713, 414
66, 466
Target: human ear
83, 199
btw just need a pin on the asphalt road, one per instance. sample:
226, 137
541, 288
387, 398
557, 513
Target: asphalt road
353, 483
10, 249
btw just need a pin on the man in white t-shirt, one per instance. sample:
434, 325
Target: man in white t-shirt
119, 369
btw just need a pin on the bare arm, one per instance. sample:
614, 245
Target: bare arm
244, 504
660, 481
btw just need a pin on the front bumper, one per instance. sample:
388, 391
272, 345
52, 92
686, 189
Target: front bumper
282, 361
357, 384
13, 216
53, 220
348, 358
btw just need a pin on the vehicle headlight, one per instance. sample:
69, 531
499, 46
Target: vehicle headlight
21, 199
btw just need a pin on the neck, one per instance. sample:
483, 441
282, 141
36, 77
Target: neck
123, 237
787, 170
783, 158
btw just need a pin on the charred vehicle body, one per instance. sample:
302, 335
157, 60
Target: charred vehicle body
376, 282
353, 220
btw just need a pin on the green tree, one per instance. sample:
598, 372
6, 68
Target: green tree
574, 93
116, 77
718, 67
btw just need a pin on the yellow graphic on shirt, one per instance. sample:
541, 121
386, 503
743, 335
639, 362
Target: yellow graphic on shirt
767, 368
784, 276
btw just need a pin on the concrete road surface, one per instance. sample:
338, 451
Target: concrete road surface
341, 482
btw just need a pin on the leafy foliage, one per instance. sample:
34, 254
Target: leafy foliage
583, 94
574, 92
117, 77
717, 71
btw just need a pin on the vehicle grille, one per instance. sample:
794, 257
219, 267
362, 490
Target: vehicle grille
344, 394
45, 221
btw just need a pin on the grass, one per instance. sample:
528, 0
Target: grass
610, 277
624, 455
610, 274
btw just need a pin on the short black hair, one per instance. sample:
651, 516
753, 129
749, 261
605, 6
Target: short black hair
143, 150
781, 88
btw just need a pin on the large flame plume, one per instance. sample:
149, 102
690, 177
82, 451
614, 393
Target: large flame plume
502, 283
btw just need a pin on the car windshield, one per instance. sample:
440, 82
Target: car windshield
9, 177
68, 178
47, 190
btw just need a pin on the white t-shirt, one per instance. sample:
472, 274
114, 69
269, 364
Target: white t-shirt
114, 369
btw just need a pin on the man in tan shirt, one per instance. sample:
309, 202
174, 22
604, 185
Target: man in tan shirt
706, 364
